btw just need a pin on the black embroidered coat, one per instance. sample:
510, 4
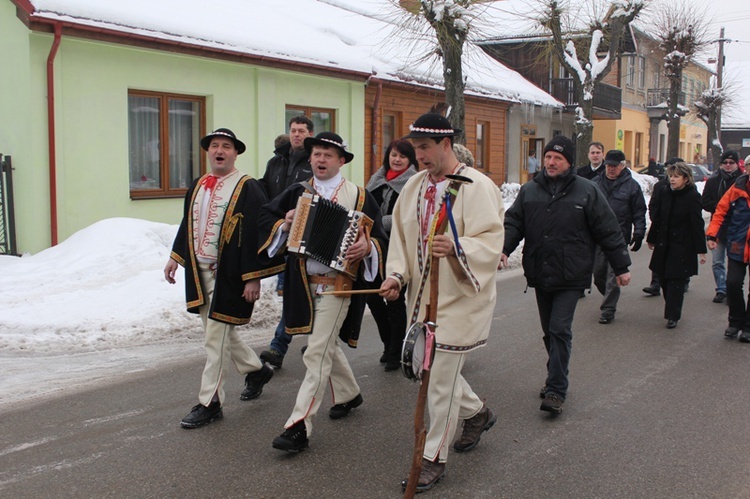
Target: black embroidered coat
238, 260
298, 302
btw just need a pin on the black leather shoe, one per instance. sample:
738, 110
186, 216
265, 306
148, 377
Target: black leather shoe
273, 357
552, 403
671, 324
720, 297
339, 411
652, 291
430, 475
473, 429
745, 337
294, 438
254, 382
201, 415
731, 332
392, 362
606, 318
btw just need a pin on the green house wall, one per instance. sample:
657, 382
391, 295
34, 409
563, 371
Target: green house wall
92, 80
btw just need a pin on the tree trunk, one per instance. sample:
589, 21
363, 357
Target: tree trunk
584, 127
451, 44
714, 149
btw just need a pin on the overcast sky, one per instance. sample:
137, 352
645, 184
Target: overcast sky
734, 16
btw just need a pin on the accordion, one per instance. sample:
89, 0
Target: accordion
324, 230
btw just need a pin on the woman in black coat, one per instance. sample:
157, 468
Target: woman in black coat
399, 165
677, 238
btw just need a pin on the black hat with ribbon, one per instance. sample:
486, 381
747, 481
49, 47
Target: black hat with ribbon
223, 132
329, 139
431, 125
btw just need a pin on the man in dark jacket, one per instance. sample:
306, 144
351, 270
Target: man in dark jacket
595, 166
625, 197
716, 185
290, 164
217, 244
562, 218
306, 310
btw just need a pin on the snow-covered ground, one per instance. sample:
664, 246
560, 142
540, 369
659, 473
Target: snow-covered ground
96, 308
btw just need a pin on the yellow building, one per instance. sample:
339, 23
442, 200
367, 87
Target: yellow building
641, 132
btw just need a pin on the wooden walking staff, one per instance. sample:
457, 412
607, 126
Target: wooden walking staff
420, 432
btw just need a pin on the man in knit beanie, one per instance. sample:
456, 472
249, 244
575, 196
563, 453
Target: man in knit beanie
562, 217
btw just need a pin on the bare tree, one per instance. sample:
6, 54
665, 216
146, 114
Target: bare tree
681, 30
588, 54
708, 108
451, 22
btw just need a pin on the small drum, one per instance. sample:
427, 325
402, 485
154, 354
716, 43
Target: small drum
414, 350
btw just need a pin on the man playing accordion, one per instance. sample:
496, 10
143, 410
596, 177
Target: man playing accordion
305, 310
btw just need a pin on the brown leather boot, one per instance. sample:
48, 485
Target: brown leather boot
473, 428
430, 475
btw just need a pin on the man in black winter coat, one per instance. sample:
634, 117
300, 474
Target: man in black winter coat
290, 164
716, 185
625, 197
596, 164
562, 217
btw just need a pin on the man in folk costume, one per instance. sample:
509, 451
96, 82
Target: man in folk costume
466, 283
305, 310
217, 243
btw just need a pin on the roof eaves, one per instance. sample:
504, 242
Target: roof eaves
45, 23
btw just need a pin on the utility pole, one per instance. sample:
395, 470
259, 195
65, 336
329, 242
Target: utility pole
719, 75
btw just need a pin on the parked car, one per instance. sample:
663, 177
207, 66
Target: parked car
644, 170
700, 172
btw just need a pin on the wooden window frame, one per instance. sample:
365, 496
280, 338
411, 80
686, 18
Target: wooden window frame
165, 191
485, 146
308, 111
397, 128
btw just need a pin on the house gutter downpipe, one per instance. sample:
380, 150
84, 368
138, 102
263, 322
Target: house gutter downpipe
51, 133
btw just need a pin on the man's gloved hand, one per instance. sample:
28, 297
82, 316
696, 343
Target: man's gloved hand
637, 241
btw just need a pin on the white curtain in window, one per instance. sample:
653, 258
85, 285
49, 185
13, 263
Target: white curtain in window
184, 143
143, 142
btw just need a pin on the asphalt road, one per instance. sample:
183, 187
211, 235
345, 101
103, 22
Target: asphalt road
651, 413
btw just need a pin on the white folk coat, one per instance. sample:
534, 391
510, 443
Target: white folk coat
467, 291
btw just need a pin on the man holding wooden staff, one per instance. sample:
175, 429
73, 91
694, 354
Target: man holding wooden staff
306, 309
468, 258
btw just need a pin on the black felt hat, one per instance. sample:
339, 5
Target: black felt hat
223, 132
614, 157
328, 139
432, 125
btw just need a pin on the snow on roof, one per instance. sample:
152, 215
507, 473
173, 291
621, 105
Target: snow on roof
362, 36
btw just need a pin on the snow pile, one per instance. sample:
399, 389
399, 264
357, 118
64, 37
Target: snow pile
100, 289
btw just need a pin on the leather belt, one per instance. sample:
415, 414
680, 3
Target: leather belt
321, 279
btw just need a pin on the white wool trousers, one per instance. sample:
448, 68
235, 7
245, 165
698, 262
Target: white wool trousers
325, 361
449, 399
223, 345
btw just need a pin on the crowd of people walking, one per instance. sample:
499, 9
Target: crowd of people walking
575, 224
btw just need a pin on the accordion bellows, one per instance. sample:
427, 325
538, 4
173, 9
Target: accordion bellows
324, 230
